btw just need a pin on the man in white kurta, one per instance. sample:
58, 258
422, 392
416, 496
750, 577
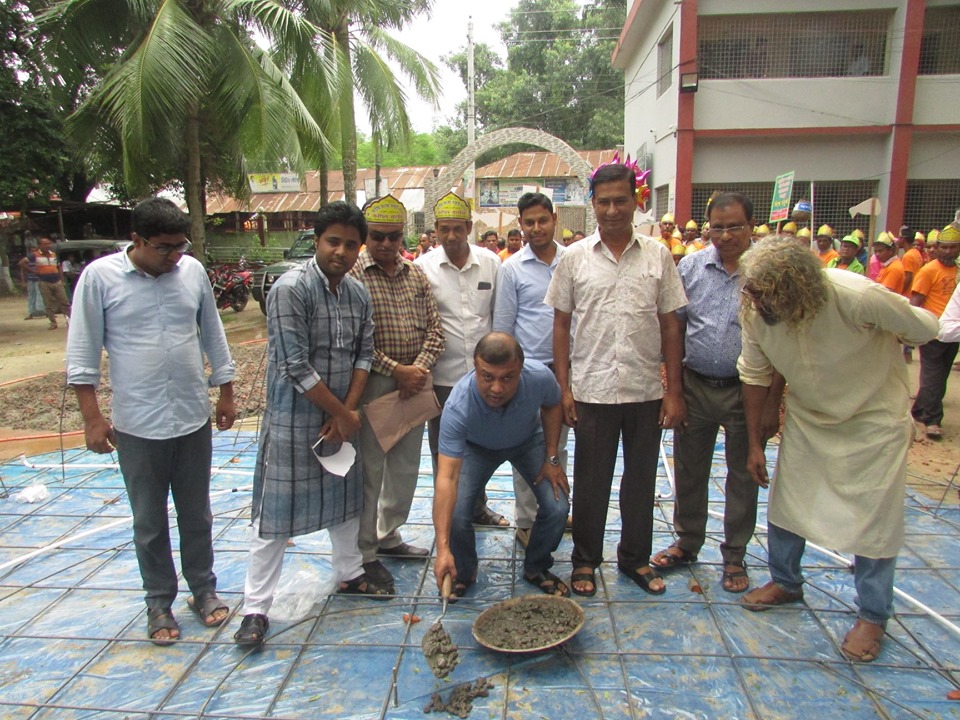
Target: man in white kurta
841, 469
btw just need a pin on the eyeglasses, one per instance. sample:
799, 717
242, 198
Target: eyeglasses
165, 250
718, 231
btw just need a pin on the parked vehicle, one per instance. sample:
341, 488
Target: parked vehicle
231, 285
263, 279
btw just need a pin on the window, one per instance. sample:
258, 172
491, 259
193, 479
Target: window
931, 203
778, 45
940, 46
661, 202
665, 62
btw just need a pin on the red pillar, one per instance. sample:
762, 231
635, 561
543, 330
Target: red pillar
903, 124
683, 192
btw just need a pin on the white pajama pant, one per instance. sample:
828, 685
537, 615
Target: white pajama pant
265, 561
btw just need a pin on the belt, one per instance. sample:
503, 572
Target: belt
715, 382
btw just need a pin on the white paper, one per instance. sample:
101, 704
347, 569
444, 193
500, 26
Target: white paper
341, 461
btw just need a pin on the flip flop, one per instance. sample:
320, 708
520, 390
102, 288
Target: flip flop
730, 575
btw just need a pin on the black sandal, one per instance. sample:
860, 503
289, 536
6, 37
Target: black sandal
253, 631
363, 584
161, 619
590, 577
549, 583
666, 560
643, 580
206, 604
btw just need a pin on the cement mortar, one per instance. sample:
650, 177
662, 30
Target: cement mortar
535, 622
461, 698
438, 648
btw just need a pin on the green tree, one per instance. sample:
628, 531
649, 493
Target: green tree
34, 155
361, 49
557, 77
186, 94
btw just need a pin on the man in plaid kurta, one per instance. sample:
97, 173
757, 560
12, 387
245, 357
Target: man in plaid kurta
320, 348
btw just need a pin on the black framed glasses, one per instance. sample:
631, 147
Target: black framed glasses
181, 248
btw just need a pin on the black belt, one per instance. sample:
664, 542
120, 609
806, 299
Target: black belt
715, 382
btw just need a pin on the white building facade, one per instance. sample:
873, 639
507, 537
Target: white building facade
859, 98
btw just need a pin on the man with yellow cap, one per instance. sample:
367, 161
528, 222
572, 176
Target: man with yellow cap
567, 236
932, 289
891, 274
804, 237
407, 340
825, 250
847, 258
667, 226
691, 232
464, 280
789, 228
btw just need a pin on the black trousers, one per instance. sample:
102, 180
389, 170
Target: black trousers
936, 361
598, 432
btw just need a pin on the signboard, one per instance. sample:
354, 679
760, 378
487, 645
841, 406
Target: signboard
505, 193
780, 204
274, 182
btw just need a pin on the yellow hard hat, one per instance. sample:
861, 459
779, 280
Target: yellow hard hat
825, 230
790, 227
803, 232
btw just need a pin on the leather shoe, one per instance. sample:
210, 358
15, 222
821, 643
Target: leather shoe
377, 572
768, 596
404, 550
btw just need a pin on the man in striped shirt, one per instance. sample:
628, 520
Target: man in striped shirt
50, 281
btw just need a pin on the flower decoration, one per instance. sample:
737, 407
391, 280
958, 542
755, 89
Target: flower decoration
642, 190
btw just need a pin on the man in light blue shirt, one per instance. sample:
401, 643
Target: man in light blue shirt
519, 310
711, 390
153, 310
505, 410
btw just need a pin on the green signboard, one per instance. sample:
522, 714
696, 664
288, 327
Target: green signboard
782, 190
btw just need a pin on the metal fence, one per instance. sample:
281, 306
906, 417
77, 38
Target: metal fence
832, 201
781, 45
931, 203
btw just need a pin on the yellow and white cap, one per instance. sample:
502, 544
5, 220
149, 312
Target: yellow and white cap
667, 218
763, 230
950, 235
691, 225
933, 235
825, 230
385, 211
790, 227
803, 232
451, 207
858, 233
885, 238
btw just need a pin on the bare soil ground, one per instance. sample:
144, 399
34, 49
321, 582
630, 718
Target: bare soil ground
32, 393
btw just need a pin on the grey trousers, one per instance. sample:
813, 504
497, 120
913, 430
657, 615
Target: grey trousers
709, 409
153, 469
389, 479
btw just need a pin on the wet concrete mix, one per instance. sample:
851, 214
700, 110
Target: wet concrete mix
533, 622
461, 698
438, 648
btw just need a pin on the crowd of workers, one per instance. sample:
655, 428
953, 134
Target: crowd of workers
609, 336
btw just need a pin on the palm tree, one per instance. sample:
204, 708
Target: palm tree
188, 93
361, 48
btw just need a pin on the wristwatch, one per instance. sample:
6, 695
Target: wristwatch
554, 460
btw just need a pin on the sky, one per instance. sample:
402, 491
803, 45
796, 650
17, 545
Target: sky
444, 31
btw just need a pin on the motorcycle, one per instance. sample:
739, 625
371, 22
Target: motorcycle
231, 286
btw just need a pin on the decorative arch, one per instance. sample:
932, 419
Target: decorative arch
435, 188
